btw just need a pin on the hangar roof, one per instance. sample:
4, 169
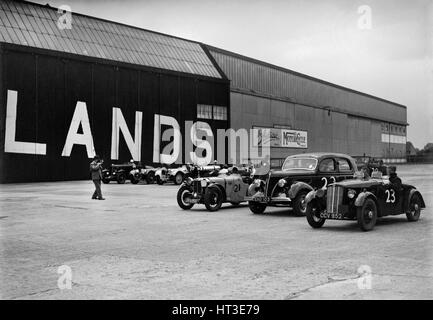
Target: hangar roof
34, 25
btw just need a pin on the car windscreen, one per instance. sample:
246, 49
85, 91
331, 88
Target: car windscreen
300, 163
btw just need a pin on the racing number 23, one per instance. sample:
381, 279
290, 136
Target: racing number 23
390, 196
326, 181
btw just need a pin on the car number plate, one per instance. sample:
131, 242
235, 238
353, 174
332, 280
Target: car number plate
331, 215
261, 199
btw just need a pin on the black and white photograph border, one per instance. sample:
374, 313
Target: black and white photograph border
216, 150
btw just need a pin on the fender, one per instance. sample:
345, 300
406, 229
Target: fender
220, 187
314, 194
298, 186
411, 194
359, 202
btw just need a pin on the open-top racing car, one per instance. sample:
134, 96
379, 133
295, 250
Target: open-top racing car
230, 185
364, 201
299, 175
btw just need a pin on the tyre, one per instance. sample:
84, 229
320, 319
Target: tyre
299, 205
150, 177
312, 212
257, 207
121, 178
367, 215
135, 180
415, 205
159, 180
178, 178
183, 193
213, 199
105, 180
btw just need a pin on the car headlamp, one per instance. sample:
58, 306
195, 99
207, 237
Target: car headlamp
351, 193
189, 181
281, 183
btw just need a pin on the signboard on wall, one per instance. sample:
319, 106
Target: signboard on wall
282, 138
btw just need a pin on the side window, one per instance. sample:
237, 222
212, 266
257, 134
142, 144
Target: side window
327, 165
344, 165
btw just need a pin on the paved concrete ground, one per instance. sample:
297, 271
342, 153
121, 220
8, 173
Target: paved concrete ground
138, 244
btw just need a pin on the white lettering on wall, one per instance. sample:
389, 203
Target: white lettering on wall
80, 117
11, 145
204, 145
159, 157
119, 124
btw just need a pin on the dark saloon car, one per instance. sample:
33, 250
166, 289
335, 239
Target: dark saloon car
299, 175
231, 185
363, 200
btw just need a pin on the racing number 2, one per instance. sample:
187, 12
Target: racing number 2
390, 196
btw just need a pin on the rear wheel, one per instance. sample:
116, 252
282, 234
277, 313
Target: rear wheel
183, 195
415, 208
312, 212
178, 178
213, 199
299, 205
257, 207
367, 215
121, 178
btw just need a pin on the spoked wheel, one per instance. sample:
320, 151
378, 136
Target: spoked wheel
150, 177
299, 205
415, 208
313, 215
213, 199
135, 179
183, 195
367, 215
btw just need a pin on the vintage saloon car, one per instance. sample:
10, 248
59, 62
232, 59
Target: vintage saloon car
299, 175
230, 185
364, 201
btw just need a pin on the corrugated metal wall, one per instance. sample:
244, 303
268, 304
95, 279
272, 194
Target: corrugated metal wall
251, 76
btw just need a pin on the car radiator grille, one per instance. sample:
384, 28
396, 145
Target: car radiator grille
196, 187
334, 199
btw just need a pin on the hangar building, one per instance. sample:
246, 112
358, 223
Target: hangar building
105, 87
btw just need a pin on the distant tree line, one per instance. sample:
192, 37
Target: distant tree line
417, 155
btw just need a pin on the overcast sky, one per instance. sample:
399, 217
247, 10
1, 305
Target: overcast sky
392, 59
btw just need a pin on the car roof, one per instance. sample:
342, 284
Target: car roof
320, 155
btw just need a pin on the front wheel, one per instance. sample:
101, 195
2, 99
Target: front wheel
415, 208
312, 213
299, 205
135, 180
213, 199
183, 195
121, 179
159, 180
257, 207
367, 215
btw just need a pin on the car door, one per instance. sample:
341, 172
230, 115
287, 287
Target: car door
326, 173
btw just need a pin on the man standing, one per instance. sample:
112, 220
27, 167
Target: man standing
96, 171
